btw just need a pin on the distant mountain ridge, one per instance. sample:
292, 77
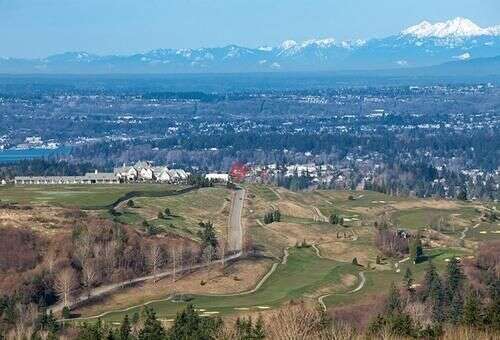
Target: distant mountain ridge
422, 45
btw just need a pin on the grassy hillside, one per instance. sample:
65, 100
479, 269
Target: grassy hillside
450, 229
304, 273
81, 196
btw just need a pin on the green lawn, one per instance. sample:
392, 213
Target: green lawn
420, 218
83, 196
304, 272
379, 281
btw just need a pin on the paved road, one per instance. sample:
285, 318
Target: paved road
235, 246
362, 281
235, 228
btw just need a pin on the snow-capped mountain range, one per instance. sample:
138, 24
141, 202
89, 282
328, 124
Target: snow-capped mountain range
424, 44
458, 27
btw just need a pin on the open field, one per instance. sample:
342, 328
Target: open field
82, 196
363, 208
188, 209
303, 274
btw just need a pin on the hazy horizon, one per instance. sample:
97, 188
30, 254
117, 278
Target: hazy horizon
38, 28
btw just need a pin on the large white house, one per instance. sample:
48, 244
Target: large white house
222, 178
145, 171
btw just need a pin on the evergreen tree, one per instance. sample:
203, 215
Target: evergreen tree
189, 325
334, 219
91, 331
492, 317
110, 334
152, 329
437, 299
433, 293
453, 290
455, 278
393, 303
135, 318
416, 250
408, 279
259, 329
455, 309
272, 216
472, 310
431, 276
125, 329
276, 216
246, 330
462, 195
400, 324
207, 235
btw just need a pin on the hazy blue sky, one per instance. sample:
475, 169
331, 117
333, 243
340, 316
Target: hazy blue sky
33, 28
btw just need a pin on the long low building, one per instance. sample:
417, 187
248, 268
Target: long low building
89, 178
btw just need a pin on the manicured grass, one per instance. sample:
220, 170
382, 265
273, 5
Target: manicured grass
485, 231
360, 198
82, 196
420, 218
304, 272
379, 281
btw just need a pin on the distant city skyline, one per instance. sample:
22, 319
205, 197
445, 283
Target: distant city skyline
38, 28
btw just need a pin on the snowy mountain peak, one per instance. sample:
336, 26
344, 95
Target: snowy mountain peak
287, 44
319, 42
458, 27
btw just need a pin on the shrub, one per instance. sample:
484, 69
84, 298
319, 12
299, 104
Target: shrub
66, 313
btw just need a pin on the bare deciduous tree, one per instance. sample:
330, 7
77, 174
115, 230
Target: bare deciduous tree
208, 256
248, 245
173, 252
293, 322
155, 259
65, 284
90, 273
51, 260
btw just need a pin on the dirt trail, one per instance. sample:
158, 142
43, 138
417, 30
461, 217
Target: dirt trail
358, 288
319, 215
285, 255
276, 192
316, 249
464, 233
396, 265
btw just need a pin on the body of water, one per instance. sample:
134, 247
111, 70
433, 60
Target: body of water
18, 155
